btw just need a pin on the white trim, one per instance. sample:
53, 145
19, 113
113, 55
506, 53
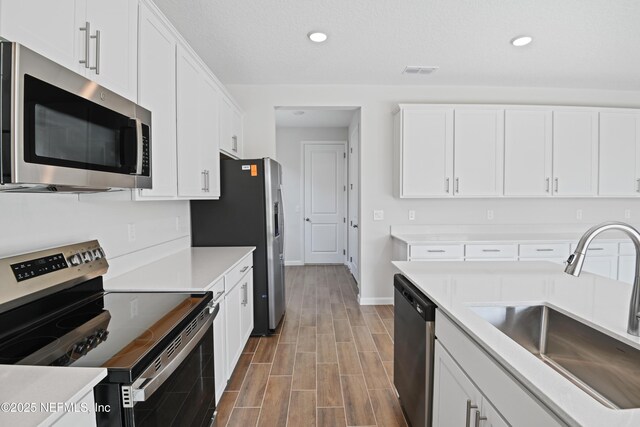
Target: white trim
293, 263
376, 301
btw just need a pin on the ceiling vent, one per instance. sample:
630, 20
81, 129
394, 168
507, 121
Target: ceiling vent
419, 69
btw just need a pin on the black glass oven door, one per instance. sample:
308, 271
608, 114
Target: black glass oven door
187, 398
64, 129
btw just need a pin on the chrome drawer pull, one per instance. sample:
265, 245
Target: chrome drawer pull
436, 251
491, 250
545, 250
595, 249
246, 267
479, 418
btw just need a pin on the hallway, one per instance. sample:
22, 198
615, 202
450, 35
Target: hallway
330, 363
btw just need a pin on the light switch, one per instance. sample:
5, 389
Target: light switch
378, 215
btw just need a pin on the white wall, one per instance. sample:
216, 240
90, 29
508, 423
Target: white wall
38, 221
289, 154
377, 170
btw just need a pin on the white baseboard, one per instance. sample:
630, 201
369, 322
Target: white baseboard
376, 301
293, 263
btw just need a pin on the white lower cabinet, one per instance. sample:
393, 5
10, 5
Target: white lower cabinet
233, 317
471, 389
219, 349
79, 418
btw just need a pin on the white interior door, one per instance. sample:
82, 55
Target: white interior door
324, 203
354, 206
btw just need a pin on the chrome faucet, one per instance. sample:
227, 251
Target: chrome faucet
576, 261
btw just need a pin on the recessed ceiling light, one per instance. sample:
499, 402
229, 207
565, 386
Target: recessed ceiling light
317, 36
298, 113
521, 41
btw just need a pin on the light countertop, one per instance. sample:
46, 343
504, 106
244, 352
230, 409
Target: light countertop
599, 302
189, 270
435, 238
43, 384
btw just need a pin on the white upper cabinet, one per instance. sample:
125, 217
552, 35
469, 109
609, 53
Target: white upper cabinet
528, 149
198, 133
230, 129
426, 152
478, 152
113, 54
57, 30
157, 93
50, 28
619, 154
575, 153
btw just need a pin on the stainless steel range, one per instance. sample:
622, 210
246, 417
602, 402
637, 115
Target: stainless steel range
157, 347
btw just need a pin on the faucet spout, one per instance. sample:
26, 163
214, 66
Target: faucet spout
575, 262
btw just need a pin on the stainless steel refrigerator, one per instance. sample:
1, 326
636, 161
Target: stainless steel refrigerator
249, 213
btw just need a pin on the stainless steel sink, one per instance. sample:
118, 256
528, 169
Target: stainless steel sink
605, 368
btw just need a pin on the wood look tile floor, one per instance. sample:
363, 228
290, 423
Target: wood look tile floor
329, 364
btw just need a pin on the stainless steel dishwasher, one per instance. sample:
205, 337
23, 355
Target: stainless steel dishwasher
414, 335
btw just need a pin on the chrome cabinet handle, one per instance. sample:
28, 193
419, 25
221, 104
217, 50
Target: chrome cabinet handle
87, 36
595, 249
234, 143
435, 251
208, 180
638, 185
544, 250
246, 267
491, 250
204, 180
218, 295
96, 68
469, 408
479, 418
446, 185
548, 184
556, 184
355, 225
457, 185
245, 297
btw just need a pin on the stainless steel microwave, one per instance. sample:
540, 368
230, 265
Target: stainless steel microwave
63, 132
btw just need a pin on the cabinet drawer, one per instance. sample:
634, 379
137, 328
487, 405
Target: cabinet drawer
491, 251
436, 252
545, 250
599, 249
238, 271
218, 289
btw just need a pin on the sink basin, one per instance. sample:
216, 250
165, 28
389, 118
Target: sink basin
605, 368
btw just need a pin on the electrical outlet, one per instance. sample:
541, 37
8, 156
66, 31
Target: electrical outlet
412, 215
489, 214
579, 214
627, 214
378, 215
131, 231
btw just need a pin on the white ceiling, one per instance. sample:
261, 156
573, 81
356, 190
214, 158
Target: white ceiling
335, 118
577, 43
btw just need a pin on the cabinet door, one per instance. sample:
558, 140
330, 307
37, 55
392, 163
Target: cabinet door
50, 28
478, 154
237, 135
619, 154
209, 102
426, 152
191, 174
606, 266
492, 417
219, 349
455, 398
233, 321
575, 153
228, 136
627, 268
247, 305
527, 153
157, 92
114, 54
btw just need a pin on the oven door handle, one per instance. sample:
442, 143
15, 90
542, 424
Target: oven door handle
151, 385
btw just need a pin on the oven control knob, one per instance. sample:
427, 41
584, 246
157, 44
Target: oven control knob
98, 253
75, 260
87, 256
92, 342
81, 348
102, 334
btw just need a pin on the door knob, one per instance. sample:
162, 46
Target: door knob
355, 225
307, 219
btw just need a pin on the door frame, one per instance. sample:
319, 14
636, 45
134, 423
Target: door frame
356, 245
345, 200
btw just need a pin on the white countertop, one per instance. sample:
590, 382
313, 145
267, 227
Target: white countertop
435, 238
43, 384
189, 270
599, 302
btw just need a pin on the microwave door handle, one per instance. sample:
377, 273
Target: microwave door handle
140, 146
